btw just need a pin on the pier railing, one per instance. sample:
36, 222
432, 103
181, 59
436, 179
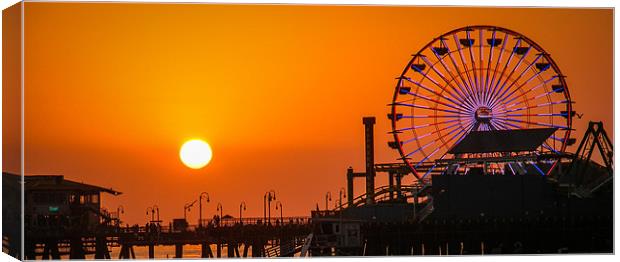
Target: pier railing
215, 223
274, 221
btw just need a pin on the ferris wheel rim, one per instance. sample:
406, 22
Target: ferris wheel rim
507, 32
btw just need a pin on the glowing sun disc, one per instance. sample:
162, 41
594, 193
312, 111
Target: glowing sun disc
195, 153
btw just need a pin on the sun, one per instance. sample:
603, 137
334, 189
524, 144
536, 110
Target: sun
195, 153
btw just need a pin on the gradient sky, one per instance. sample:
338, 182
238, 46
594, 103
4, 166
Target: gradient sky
113, 90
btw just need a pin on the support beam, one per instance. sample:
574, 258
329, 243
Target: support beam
151, 251
101, 248
369, 123
178, 251
205, 251
76, 250
230, 250
391, 185
399, 178
350, 187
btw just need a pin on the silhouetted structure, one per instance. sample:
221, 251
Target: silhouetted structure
11, 214
519, 211
63, 217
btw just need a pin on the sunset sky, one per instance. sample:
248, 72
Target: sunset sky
278, 91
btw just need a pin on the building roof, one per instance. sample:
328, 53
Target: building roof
58, 183
516, 140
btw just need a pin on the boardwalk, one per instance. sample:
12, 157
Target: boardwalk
279, 237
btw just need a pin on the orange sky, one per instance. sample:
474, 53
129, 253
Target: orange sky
113, 90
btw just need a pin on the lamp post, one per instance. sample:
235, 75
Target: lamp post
241, 208
186, 208
119, 210
205, 194
328, 197
280, 204
267, 198
156, 208
341, 194
219, 208
151, 211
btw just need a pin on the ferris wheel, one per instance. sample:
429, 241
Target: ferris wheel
476, 78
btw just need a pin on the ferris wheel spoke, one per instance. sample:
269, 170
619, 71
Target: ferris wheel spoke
435, 123
480, 63
486, 81
543, 95
469, 43
428, 108
517, 88
514, 69
506, 123
461, 91
426, 157
499, 124
472, 84
467, 84
500, 93
499, 58
460, 104
534, 106
541, 114
495, 85
420, 148
464, 98
430, 116
444, 143
527, 91
532, 123
473, 64
425, 125
429, 143
469, 127
434, 81
517, 79
453, 137
428, 134
431, 100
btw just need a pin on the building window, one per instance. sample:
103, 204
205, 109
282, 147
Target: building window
94, 198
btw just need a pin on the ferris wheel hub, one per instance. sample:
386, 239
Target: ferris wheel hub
483, 114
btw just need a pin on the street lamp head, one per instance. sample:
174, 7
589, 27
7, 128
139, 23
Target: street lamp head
204, 194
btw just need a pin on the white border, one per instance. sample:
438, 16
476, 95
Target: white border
507, 3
